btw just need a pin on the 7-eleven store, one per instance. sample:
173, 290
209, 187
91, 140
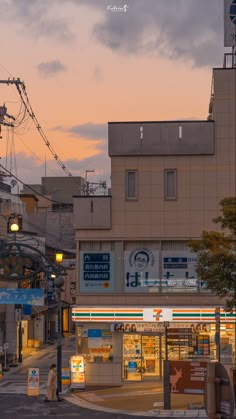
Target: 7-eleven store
124, 345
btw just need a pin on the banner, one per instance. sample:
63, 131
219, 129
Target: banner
34, 297
141, 270
97, 272
179, 271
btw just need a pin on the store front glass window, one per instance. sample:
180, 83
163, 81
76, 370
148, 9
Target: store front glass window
141, 357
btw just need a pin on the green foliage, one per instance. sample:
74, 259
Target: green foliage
216, 252
228, 219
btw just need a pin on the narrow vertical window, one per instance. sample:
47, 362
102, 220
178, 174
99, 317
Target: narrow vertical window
170, 183
180, 132
131, 184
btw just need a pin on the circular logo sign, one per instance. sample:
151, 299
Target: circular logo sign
232, 11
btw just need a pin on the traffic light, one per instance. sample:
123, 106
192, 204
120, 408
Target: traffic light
14, 224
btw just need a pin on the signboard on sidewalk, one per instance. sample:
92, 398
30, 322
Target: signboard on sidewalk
187, 377
77, 368
33, 382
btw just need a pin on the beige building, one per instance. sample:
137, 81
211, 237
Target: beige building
135, 269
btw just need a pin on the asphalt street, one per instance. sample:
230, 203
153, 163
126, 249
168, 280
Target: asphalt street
21, 407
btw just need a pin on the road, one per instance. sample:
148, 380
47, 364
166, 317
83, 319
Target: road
22, 407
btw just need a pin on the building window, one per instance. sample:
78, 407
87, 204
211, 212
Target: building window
170, 183
131, 184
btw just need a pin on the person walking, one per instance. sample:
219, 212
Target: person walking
52, 385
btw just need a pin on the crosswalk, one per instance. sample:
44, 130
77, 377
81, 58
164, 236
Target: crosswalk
15, 381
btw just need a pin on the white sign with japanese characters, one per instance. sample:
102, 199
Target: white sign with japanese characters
179, 271
141, 270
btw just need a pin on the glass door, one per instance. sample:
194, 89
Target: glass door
151, 356
132, 361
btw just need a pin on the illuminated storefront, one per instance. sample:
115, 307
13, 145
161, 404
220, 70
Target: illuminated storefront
133, 340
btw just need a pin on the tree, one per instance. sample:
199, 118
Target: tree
216, 251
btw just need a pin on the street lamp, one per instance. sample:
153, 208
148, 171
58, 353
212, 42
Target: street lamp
14, 225
59, 282
59, 257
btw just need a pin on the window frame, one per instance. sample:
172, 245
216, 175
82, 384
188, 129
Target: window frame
127, 197
166, 197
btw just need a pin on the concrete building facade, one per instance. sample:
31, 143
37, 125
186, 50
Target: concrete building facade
135, 269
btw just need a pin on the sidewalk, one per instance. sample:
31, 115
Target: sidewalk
140, 398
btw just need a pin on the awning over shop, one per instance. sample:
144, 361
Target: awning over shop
37, 310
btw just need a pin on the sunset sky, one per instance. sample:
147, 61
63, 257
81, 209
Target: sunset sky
85, 63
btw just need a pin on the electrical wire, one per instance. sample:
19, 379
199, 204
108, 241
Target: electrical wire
28, 109
6, 70
30, 187
22, 91
49, 234
48, 168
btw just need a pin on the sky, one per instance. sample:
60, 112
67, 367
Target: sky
85, 63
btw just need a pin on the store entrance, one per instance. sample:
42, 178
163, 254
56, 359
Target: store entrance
142, 358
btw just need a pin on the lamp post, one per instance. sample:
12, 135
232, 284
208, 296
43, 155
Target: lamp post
59, 282
14, 226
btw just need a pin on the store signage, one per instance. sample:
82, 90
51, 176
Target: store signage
187, 377
97, 272
179, 271
94, 338
151, 314
141, 270
77, 368
180, 336
32, 296
33, 382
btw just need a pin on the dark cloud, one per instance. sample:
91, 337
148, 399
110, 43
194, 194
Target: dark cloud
178, 29
51, 68
34, 17
89, 130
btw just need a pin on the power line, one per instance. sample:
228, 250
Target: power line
30, 187
48, 168
22, 91
6, 70
28, 108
